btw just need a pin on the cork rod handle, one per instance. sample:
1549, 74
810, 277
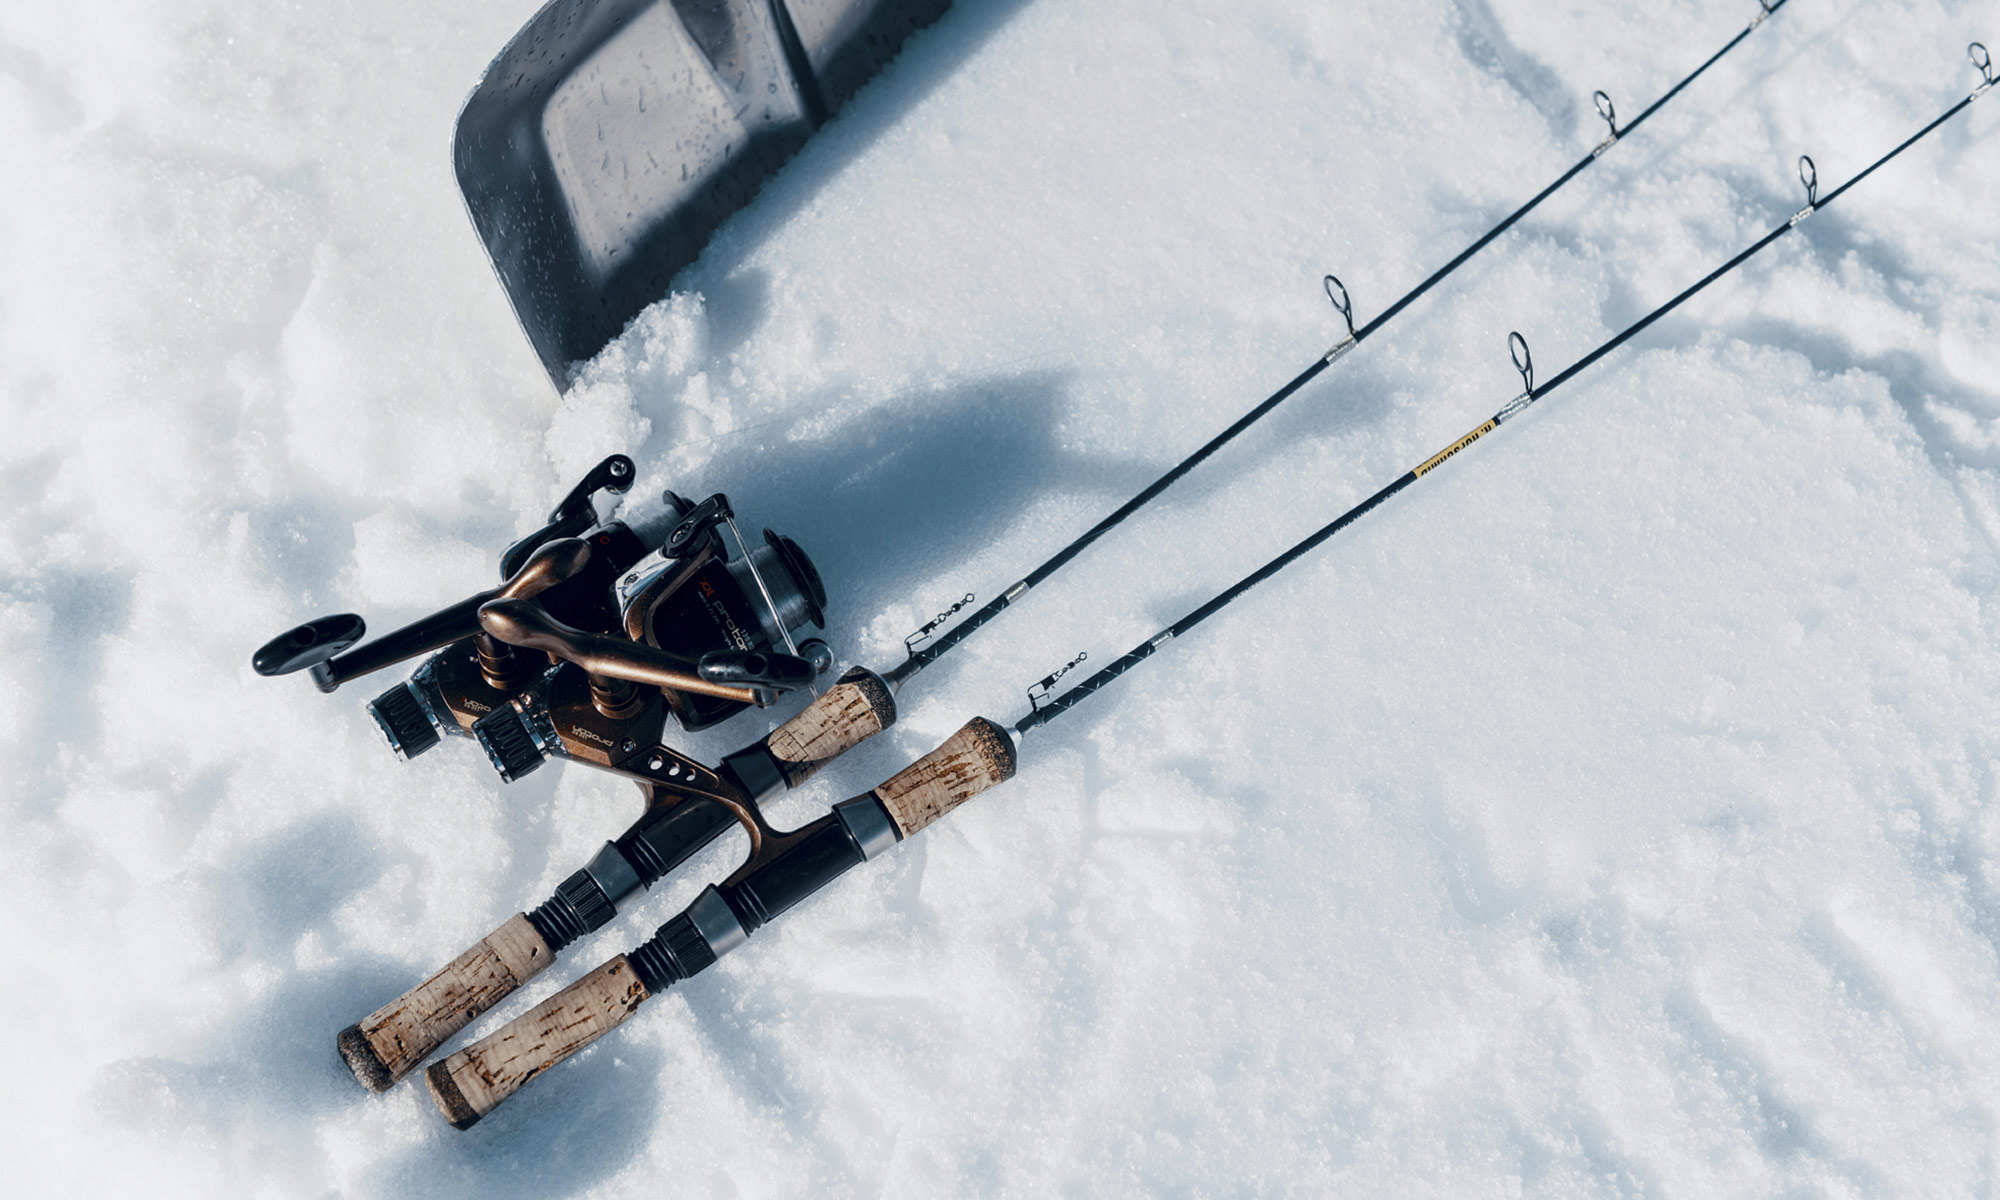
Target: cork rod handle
393, 1040
975, 758
473, 1082
853, 710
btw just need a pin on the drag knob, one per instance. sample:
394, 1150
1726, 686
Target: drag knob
503, 734
403, 721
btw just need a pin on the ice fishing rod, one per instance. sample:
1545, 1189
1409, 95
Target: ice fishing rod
689, 803
784, 868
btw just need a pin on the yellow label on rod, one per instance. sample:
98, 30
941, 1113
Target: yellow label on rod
1455, 447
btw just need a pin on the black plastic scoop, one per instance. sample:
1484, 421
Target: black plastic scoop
610, 138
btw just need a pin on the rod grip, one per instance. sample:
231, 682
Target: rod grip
473, 1082
853, 710
390, 1042
975, 758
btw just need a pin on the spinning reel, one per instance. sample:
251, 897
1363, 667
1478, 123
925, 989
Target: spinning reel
599, 631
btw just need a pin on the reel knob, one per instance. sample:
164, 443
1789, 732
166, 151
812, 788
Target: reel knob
818, 653
402, 719
308, 645
503, 734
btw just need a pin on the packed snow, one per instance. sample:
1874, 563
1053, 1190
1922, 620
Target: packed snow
1616, 812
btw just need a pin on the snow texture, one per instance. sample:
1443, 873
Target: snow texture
1614, 813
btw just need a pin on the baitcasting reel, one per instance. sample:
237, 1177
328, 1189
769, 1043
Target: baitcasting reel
599, 631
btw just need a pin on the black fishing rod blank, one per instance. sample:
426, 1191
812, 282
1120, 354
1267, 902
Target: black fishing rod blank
1041, 710
924, 648
784, 868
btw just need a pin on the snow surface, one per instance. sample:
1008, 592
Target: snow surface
1613, 814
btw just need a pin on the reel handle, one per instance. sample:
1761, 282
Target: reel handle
526, 623
308, 645
395, 1039
554, 563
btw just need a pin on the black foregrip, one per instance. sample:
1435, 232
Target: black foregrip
820, 853
756, 769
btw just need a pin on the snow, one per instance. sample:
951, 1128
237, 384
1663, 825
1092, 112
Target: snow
1612, 813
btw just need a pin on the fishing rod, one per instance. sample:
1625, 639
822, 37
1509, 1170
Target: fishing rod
1337, 293
784, 868
690, 803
